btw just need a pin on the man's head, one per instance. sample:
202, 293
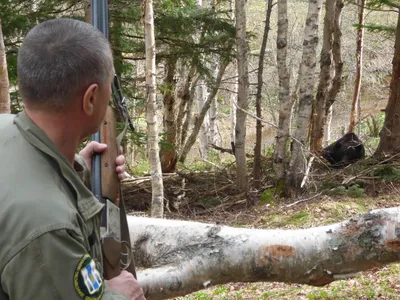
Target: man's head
65, 64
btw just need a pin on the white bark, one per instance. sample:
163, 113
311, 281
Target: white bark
285, 103
182, 257
157, 201
298, 161
233, 97
5, 104
243, 94
213, 137
328, 131
202, 95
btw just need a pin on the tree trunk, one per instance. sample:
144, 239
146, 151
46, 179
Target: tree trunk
5, 104
234, 86
157, 200
212, 137
389, 143
243, 93
200, 118
182, 257
232, 114
298, 161
169, 156
328, 131
285, 102
257, 149
325, 80
359, 60
337, 58
186, 95
201, 95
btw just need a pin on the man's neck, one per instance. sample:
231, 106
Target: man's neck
60, 129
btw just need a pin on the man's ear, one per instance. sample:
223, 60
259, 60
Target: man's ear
89, 99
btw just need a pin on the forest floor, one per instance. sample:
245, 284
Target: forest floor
336, 195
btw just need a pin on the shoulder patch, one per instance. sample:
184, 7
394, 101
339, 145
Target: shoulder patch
87, 279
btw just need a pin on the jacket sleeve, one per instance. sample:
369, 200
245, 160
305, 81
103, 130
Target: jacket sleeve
55, 265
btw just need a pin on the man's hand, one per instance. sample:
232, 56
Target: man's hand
126, 284
95, 147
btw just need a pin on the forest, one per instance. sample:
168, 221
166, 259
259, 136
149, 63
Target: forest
264, 160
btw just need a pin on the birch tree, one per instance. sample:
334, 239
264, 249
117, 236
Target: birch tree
257, 149
181, 257
359, 57
213, 114
201, 96
325, 79
298, 160
5, 105
243, 93
157, 200
285, 101
213, 128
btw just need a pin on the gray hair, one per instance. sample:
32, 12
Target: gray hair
59, 59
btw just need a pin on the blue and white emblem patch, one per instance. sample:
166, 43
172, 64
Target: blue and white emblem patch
91, 277
87, 279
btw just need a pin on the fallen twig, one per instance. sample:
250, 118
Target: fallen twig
303, 200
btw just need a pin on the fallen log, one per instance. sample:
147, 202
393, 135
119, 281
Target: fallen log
181, 257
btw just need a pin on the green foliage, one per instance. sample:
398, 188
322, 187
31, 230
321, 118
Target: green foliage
355, 191
338, 191
196, 166
214, 156
388, 31
300, 217
269, 150
388, 173
165, 145
220, 290
201, 296
318, 295
141, 168
268, 196
195, 35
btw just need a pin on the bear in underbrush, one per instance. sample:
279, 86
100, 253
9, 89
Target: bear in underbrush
345, 151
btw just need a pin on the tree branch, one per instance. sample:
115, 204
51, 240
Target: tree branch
182, 257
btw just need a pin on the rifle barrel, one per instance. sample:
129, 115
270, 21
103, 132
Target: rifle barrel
99, 17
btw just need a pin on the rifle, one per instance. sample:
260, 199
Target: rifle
114, 231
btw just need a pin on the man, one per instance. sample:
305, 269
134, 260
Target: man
49, 219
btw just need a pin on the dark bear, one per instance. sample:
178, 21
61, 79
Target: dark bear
346, 150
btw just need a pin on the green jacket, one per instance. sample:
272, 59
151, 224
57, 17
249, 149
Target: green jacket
49, 220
